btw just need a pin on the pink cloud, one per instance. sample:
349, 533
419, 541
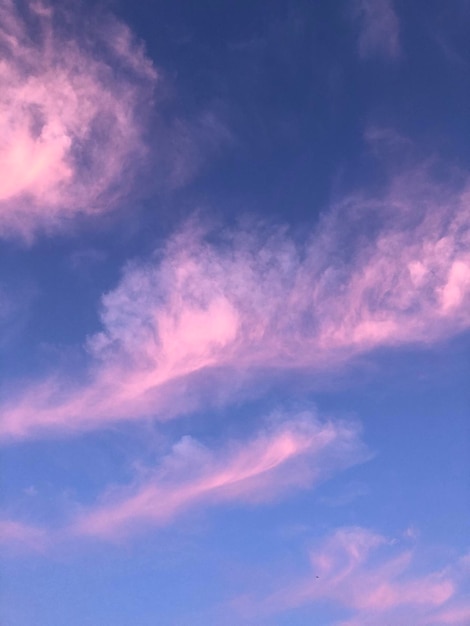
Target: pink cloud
292, 454
19, 536
352, 571
71, 105
376, 272
458, 615
260, 298
379, 28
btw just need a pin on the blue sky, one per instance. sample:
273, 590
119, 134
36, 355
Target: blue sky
234, 313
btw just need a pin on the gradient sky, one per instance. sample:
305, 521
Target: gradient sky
235, 313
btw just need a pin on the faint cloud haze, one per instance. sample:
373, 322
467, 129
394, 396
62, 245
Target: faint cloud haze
379, 28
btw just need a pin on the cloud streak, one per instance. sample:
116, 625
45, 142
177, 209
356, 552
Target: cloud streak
376, 272
71, 109
353, 569
291, 454
19, 536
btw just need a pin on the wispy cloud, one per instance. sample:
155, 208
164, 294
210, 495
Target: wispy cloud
18, 536
379, 28
71, 109
371, 578
377, 271
295, 452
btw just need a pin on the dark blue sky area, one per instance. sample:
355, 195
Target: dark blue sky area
284, 79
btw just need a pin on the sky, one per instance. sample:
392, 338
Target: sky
234, 313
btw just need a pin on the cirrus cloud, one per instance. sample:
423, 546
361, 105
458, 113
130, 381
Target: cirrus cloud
369, 577
71, 108
294, 452
18, 536
376, 272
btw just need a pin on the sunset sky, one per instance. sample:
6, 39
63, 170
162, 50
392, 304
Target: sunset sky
235, 313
